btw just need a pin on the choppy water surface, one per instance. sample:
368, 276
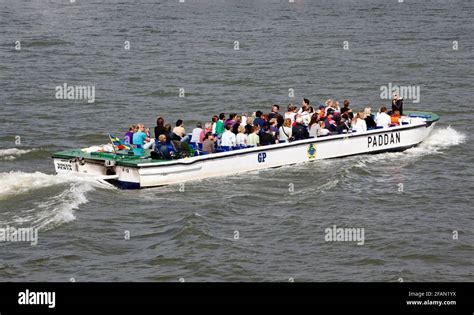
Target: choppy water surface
173, 234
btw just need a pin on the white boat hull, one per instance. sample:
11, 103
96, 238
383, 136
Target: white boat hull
150, 174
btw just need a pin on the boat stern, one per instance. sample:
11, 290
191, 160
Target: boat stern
101, 166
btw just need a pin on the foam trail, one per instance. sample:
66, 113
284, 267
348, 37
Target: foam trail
443, 138
60, 209
328, 186
17, 182
50, 210
12, 153
439, 140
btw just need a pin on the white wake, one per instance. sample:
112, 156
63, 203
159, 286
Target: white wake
12, 153
51, 207
437, 143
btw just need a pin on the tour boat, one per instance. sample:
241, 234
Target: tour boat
129, 171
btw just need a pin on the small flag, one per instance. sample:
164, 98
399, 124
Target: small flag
117, 143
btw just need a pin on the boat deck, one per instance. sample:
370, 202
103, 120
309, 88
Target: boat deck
121, 157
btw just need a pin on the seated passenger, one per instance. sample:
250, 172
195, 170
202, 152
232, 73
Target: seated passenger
323, 131
249, 126
258, 119
231, 121
369, 119
314, 126
343, 124
305, 111
181, 132
160, 127
395, 118
329, 107
214, 121
241, 138
275, 114
337, 108
196, 133
299, 130
321, 112
345, 108
228, 137
220, 125
358, 123
128, 138
291, 113
330, 123
141, 138
304, 105
330, 111
162, 149
274, 127
179, 129
348, 115
170, 136
237, 124
207, 128
243, 119
266, 137
285, 131
209, 143
383, 119
332, 107
253, 139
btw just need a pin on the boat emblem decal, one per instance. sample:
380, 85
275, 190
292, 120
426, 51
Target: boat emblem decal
312, 151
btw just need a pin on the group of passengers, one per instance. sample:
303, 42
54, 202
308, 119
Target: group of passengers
239, 131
